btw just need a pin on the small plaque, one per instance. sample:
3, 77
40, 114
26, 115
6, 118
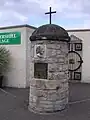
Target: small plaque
78, 46
40, 70
77, 75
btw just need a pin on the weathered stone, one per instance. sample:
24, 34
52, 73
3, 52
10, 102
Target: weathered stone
45, 106
49, 52
55, 67
63, 94
65, 67
54, 84
33, 98
60, 56
64, 48
59, 108
38, 92
51, 94
33, 104
61, 60
38, 109
40, 42
57, 75
39, 84
50, 60
65, 85
45, 84
55, 42
53, 46
42, 98
45, 102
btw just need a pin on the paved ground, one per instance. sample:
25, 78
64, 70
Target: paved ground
15, 108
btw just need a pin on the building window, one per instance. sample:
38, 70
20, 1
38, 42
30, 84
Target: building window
78, 46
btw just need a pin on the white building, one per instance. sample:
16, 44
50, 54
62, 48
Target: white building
84, 35
19, 74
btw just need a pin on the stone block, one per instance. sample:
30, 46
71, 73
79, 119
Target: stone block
53, 85
38, 83
38, 92
60, 56
32, 104
46, 84
33, 98
51, 60
65, 84
61, 60
59, 107
54, 67
50, 106
65, 67
59, 52
48, 110
46, 102
43, 98
64, 48
57, 76
53, 96
32, 53
63, 94
39, 109
53, 46
40, 42
54, 42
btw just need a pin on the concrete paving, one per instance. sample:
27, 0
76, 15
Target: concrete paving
14, 102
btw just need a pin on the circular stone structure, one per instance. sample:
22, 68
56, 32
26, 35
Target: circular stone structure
49, 69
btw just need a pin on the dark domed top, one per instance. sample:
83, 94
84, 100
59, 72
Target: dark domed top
50, 32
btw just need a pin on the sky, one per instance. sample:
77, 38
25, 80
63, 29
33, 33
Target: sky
70, 14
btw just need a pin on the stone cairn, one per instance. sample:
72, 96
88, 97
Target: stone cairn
50, 94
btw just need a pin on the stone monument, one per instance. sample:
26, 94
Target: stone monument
49, 69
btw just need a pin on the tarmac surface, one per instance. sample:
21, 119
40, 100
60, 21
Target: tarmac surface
14, 105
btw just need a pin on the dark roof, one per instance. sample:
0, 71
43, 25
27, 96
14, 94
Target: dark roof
50, 32
18, 26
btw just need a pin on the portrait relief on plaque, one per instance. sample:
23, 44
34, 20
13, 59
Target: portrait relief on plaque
40, 51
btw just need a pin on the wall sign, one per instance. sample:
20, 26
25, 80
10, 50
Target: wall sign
40, 70
10, 38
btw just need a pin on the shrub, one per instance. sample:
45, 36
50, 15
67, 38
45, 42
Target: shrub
4, 60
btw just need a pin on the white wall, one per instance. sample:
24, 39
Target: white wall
85, 36
16, 76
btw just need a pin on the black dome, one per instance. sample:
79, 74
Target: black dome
50, 32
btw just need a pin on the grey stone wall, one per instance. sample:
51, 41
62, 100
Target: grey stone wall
50, 95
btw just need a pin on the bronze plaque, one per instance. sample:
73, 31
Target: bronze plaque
40, 70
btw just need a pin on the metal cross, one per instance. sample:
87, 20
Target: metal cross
50, 14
